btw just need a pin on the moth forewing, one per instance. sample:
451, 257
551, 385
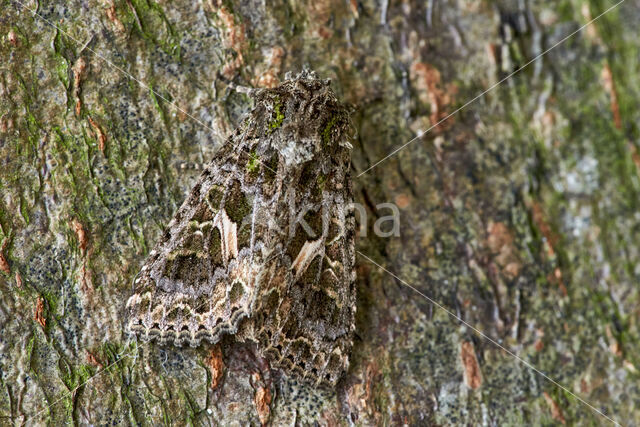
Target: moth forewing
264, 241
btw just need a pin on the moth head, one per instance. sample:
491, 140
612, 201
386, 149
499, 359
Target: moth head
302, 118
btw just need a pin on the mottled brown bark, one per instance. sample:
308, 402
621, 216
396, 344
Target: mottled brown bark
519, 214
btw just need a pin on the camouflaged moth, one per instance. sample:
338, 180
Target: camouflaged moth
263, 247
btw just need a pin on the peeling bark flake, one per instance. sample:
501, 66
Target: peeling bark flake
262, 401
216, 366
4, 265
80, 234
610, 87
93, 360
428, 82
102, 138
111, 15
472, 375
38, 317
79, 72
556, 412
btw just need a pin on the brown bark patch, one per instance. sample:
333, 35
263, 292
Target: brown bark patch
556, 412
591, 30
353, 6
584, 386
539, 342
556, 277
111, 15
262, 401
320, 13
614, 345
78, 107
234, 36
269, 77
18, 280
472, 375
4, 265
359, 395
4, 124
102, 138
539, 218
216, 366
79, 73
86, 280
610, 87
371, 374
330, 418
538, 345
500, 241
427, 80
635, 156
492, 53
402, 201
13, 38
81, 235
550, 240
39, 316
93, 360
499, 237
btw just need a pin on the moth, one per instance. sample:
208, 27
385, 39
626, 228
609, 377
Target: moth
263, 246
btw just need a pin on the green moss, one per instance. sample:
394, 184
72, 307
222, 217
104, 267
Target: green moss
30, 346
138, 237
252, 164
62, 53
24, 210
81, 375
320, 182
62, 68
278, 117
73, 378
152, 24
326, 132
156, 103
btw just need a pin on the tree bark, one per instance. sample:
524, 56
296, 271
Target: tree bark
518, 214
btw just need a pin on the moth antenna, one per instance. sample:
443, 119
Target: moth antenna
238, 88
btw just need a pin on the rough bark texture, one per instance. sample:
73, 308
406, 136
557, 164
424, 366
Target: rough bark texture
519, 214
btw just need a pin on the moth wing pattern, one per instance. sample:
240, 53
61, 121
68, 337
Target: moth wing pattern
198, 282
263, 247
